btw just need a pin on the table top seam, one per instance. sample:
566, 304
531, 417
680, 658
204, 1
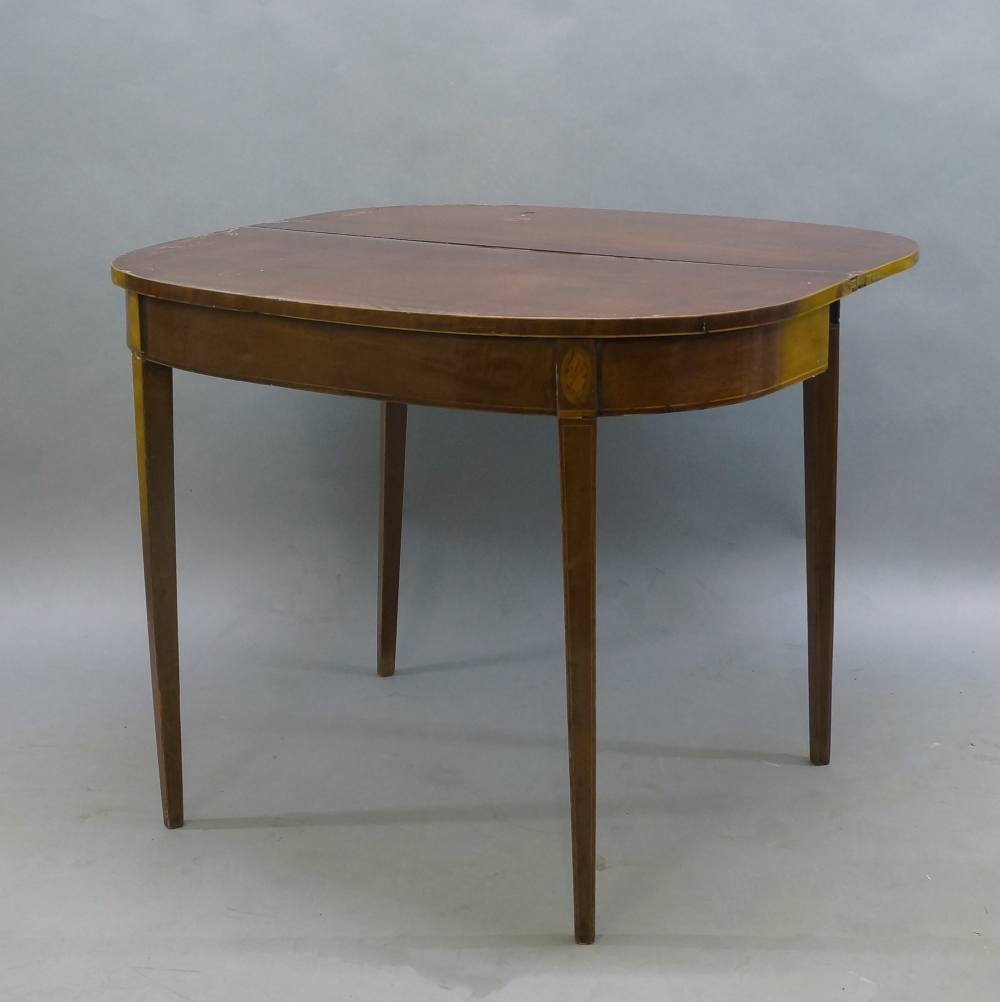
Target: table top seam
555, 250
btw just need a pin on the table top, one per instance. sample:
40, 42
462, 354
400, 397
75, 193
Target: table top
520, 270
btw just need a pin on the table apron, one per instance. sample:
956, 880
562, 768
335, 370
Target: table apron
650, 375
475, 372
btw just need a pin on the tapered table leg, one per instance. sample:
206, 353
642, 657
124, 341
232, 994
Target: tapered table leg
820, 395
578, 468
154, 431
390, 531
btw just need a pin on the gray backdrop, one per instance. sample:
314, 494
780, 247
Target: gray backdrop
124, 124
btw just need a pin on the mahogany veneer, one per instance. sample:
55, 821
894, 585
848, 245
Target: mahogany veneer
574, 313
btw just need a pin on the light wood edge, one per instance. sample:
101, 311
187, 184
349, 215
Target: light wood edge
866, 278
578, 379
133, 323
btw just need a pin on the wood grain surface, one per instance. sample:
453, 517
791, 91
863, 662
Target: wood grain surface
520, 271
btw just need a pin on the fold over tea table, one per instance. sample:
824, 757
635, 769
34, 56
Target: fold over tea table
572, 313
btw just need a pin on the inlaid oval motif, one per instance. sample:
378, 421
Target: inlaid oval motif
575, 375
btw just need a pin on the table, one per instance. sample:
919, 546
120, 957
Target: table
572, 313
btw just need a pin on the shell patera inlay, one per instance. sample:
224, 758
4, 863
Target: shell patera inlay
575, 375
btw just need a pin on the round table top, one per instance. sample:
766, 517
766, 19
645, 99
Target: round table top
520, 270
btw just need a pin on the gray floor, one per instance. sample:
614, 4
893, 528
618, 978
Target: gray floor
351, 837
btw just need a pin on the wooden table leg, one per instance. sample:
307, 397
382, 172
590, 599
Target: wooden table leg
578, 468
154, 433
390, 531
819, 398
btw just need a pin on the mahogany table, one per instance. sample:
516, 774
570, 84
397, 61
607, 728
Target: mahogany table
573, 313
